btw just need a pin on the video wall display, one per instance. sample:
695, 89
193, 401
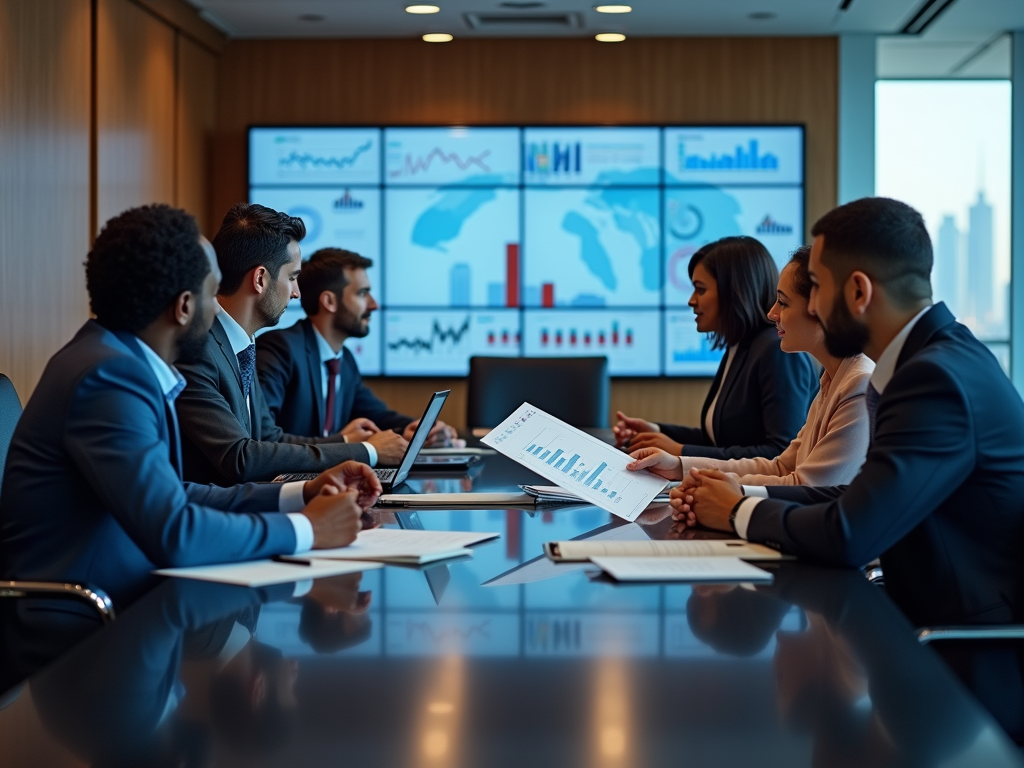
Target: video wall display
533, 241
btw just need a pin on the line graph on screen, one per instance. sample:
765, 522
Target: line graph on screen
306, 160
438, 335
414, 165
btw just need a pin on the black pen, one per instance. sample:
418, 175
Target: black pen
289, 560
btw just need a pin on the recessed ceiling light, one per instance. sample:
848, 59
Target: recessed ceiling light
311, 17
437, 37
613, 8
610, 37
422, 8
761, 15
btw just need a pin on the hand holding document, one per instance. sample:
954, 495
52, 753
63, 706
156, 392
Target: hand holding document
680, 569
577, 550
262, 573
389, 545
575, 461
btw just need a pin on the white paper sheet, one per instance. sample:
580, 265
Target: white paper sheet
680, 569
588, 549
260, 573
455, 500
390, 544
575, 461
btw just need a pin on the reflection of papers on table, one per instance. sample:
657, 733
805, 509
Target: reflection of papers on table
541, 568
588, 549
455, 500
403, 546
715, 569
579, 463
261, 573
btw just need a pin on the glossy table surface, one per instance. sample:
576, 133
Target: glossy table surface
502, 659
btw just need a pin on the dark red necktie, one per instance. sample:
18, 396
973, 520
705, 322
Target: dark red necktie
333, 369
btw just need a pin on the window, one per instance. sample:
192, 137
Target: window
943, 146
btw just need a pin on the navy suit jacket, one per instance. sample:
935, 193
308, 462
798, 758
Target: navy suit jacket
92, 490
940, 496
289, 365
762, 406
226, 442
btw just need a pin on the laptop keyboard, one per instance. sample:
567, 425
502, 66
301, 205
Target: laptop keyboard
385, 475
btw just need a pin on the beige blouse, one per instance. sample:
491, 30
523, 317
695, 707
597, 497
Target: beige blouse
831, 445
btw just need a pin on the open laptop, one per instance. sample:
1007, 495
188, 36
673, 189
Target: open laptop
390, 477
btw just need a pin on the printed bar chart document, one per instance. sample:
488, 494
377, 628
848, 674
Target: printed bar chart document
569, 551
575, 461
680, 569
401, 546
261, 573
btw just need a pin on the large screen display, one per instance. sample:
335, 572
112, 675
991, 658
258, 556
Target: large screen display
533, 241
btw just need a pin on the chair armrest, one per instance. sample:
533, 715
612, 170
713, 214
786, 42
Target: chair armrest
97, 598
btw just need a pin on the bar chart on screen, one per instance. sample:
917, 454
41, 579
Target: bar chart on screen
575, 461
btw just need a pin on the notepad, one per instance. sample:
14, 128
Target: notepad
389, 545
262, 573
567, 551
716, 569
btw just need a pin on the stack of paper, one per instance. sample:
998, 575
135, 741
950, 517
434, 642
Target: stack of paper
262, 573
553, 494
587, 550
389, 545
717, 569
455, 500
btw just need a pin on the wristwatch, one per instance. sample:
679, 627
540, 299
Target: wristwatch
732, 515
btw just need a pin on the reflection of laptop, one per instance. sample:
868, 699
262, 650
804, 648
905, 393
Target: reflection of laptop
391, 477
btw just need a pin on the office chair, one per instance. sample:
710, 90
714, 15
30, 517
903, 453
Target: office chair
10, 412
573, 389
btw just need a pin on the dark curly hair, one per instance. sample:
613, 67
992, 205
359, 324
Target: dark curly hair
325, 271
800, 259
142, 260
251, 236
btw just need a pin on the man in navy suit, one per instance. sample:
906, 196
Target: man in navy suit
310, 380
940, 496
93, 489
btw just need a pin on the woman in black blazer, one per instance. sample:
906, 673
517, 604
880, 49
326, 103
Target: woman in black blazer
760, 395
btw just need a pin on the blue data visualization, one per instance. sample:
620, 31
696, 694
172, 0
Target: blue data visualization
536, 241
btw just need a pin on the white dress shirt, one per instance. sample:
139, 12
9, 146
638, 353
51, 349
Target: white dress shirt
709, 418
290, 501
326, 354
885, 367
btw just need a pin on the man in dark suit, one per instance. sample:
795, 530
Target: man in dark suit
229, 434
310, 381
92, 488
940, 497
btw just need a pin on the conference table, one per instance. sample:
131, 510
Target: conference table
499, 659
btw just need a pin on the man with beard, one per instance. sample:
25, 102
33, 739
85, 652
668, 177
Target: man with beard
309, 379
92, 490
940, 496
229, 433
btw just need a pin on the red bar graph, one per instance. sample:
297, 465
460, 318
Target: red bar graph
512, 275
547, 295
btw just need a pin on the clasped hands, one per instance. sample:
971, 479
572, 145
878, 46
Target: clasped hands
705, 496
337, 501
362, 429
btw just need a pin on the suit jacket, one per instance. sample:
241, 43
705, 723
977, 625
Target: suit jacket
92, 490
762, 406
940, 496
288, 362
226, 442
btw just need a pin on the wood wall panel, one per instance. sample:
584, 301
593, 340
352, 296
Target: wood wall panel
135, 108
653, 80
196, 123
44, 181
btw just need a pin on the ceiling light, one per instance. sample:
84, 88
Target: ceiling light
437, 37
613, 8
422, 9
610, 37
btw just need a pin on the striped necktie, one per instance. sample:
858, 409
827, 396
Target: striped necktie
871, 398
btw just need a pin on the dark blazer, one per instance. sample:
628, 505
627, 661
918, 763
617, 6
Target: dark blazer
940, 496
226, 443
288, 363
92, 491
762, 406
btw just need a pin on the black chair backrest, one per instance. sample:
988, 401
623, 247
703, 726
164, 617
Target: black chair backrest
10, 412
573, 389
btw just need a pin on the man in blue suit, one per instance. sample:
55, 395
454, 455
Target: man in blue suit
92, 490
940, 496
310, 380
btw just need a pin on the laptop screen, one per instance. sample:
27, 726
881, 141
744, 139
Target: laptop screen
420, 436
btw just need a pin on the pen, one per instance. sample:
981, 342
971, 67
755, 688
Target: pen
289, 560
